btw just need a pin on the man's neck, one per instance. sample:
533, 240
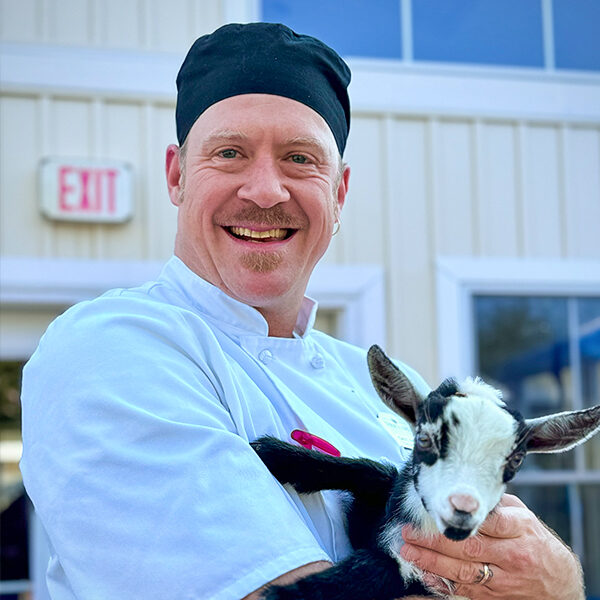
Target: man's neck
282, 323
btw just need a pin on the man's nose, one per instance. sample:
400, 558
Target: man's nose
263, 183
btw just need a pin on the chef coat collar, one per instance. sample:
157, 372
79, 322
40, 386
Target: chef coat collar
225, 311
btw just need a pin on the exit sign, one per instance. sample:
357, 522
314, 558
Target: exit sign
86, 190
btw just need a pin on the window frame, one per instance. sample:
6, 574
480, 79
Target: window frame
459, 280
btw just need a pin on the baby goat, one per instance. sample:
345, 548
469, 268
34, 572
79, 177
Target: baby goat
467, 446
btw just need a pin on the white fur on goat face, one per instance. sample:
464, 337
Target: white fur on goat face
461, 479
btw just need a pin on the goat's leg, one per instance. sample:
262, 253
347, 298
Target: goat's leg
365, 574
312, 471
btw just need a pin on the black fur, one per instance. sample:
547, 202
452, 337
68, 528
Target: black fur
427, 457
433, 408
444, 440
312, 471
366, 574
448, 388
376, 491
512, 464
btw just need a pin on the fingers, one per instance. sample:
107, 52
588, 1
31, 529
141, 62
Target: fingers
505, 522
457, 570
510, 500
494, 542
472, 548
525, 559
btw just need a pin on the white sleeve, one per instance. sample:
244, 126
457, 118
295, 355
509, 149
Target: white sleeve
137, 473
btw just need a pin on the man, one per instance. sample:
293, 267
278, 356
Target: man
138, 407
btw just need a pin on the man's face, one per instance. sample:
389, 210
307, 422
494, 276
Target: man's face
262, 189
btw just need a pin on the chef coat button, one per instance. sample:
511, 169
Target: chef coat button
265, 356
317, 362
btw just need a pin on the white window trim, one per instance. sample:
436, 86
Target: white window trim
355, 292
458, 279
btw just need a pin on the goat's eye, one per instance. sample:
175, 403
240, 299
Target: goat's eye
515, 461
424, 441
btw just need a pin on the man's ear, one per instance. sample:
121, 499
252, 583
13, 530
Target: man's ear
173, 172
343, 188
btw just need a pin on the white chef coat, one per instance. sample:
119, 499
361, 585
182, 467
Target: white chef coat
137, 412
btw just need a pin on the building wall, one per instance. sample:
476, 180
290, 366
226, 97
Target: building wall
449, 165
424, 187
424, 183
118, 24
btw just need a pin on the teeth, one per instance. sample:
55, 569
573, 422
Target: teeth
259, 235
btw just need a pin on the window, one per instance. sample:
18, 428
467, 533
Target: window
576, 39
14, 505
532, 328
544, 353
539, 34
352, 27
478, 31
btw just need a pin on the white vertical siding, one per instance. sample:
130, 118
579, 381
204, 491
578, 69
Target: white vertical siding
137, 132
499, 225
69, 21
135, 24
409, 231
121, 26
19, 20
541, 192
453, 202
361, 235
582, 192
20, 222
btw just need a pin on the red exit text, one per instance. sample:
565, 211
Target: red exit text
87, 190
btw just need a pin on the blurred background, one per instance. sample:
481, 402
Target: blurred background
470, 240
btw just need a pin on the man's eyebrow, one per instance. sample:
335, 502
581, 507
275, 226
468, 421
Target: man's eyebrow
306, 141
223, 136
232, 136
311, 142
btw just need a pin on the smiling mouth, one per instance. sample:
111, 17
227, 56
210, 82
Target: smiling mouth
252, 235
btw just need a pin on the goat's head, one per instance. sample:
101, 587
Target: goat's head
468, 445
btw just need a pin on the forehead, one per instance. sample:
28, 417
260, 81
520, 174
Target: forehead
264, 115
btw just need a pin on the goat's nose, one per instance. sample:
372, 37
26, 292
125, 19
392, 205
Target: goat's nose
464, 503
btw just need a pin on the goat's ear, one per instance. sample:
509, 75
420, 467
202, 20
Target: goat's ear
562, 431
392, 385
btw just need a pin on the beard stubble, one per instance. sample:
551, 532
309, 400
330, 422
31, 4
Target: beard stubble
261, 262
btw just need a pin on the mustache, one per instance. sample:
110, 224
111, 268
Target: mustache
274, 216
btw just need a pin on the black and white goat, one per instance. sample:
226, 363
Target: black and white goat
467, 446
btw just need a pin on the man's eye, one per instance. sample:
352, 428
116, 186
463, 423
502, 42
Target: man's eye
299, 158
229, 153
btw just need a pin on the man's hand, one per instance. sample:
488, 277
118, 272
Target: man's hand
528, 561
